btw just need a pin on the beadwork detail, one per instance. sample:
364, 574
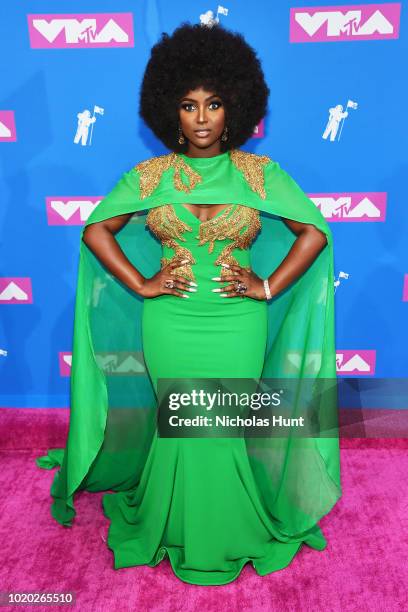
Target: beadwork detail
230, 226
151, 171
251, 165
166, 225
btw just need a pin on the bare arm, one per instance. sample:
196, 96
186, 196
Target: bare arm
310, 241
99, 237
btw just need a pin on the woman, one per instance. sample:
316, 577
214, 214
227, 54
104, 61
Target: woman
232, 232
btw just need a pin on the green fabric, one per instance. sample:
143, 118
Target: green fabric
212, 505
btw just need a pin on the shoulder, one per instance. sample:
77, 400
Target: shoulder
252, 166
240, 156
156, 161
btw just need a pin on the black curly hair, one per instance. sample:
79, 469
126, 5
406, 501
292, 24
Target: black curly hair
212, 57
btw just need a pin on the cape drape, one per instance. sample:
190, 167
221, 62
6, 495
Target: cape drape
113, 404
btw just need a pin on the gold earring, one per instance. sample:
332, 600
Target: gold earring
224, 136
181, 138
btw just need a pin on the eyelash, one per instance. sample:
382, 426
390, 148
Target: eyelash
183, 106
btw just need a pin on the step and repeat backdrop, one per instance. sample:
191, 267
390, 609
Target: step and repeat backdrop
69, 128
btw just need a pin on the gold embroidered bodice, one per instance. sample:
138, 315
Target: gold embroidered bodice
237, 225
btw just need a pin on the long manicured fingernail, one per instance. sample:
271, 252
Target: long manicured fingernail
184, 295
223, 294
216, 278
218, 289
191, 289
194, 284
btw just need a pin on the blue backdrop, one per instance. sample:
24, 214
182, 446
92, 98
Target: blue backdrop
63, 59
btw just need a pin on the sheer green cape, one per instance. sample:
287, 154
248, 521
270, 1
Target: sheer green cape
113, 404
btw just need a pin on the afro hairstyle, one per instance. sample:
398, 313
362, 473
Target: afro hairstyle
215, 58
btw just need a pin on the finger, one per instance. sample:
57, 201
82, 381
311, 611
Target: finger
227, 289
182, 283
231, 278
175, 263
246, 271
179, 262
167, 291
233, 267
180, 286
185, 281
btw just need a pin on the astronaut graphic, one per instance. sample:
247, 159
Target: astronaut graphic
209, 20
85, 120
335, 116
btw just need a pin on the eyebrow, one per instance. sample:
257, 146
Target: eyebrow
208, 98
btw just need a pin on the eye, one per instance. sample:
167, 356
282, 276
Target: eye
184, 106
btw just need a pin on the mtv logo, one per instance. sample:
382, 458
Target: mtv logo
351, 207
360, 363
344, 23
121, 363
80, 31
7, 127
15, 290
65, 362
70, 210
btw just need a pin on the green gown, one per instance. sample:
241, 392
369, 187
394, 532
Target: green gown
211, 504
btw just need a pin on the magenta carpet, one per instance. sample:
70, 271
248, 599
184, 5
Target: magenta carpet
361, 569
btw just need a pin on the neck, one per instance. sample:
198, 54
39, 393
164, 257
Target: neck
211, 151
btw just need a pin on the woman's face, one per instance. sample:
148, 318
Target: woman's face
200, 110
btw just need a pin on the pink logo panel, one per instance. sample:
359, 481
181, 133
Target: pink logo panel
405, 289
81, 31
65, 362
350, 207
70, 210
7, 126
259, 130
344, 22
15, 290
359, 363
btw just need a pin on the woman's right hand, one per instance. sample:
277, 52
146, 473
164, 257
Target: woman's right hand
155, 286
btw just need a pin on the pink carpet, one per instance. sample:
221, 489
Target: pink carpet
361, 569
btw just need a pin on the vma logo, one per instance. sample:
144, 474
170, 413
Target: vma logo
81, 30
121, 363
7, 126
15, 290
359, 363
338, 23
349, 207
70, 210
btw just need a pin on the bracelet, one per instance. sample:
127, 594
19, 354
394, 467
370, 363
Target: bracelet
267, 290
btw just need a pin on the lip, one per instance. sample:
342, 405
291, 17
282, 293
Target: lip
202, 133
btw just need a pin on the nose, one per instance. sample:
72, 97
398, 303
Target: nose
202, 116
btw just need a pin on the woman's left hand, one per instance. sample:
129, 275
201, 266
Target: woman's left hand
254, 284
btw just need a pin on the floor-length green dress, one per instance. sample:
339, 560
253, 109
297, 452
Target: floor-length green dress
212, 504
